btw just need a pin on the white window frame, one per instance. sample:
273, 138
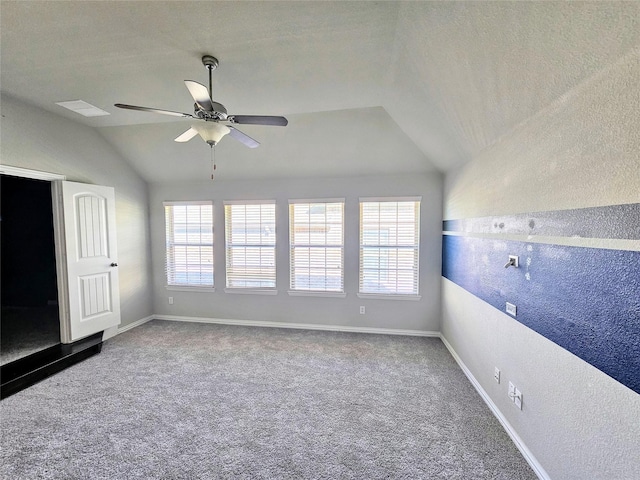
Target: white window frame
293, 246
415, 295
229, 246
170, 261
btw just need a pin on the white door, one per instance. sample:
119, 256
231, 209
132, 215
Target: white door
90, 270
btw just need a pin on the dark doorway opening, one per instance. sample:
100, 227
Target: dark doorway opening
30, 318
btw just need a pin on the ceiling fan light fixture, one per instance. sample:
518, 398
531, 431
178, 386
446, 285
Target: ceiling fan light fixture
211, 132
210, 112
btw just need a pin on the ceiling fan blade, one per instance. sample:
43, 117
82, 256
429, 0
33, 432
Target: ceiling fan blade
200, 94
186, 136
243, 137
258, 120
153, 110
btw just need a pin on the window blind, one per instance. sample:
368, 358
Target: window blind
389, 246
250, 232
189, 243
316, 245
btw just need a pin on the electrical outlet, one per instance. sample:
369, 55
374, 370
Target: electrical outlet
170, 300
362, 310
496, 374
511, 309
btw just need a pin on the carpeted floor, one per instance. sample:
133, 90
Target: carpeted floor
195, 401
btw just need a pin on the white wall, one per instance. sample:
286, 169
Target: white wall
39, 140
582, 151
422, 315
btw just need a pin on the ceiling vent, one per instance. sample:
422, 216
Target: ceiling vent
83, 108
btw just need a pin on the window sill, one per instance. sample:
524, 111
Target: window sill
178, 288
252, 291
380, 296
314, 293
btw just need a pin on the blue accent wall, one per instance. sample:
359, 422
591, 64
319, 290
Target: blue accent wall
587, 300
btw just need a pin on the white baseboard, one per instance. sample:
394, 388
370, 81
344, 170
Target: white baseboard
112, 332
300, 326
526, 453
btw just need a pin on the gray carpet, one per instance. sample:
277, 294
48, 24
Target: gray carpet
194, 401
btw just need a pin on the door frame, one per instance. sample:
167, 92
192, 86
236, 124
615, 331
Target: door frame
59, 239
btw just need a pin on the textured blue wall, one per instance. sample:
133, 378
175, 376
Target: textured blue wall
587, 300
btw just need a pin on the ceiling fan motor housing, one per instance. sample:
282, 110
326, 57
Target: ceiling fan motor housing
218, 112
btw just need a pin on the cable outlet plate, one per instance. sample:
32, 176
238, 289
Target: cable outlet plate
517, 399
515, 395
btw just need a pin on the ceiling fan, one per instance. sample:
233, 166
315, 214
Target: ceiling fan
217, 122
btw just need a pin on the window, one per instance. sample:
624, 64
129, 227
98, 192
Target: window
250, 230
316, 243
389, 246
189, 244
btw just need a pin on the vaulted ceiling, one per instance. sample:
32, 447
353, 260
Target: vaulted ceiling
368, 87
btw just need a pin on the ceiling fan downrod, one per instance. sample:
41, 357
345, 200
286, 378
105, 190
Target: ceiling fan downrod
211, 63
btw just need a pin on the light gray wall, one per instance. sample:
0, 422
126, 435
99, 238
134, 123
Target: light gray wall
581, 151
421, 315
39, 140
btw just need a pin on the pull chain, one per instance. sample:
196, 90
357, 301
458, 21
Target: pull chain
213, 162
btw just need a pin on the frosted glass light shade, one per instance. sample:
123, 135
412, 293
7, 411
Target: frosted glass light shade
211, 132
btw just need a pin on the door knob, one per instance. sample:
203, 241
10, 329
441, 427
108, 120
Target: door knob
114, 264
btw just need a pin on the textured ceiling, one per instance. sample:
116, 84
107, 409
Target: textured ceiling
370, 87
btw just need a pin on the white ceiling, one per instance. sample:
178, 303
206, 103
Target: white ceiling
368, 87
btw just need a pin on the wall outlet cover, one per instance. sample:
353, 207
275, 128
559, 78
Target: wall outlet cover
517, 399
